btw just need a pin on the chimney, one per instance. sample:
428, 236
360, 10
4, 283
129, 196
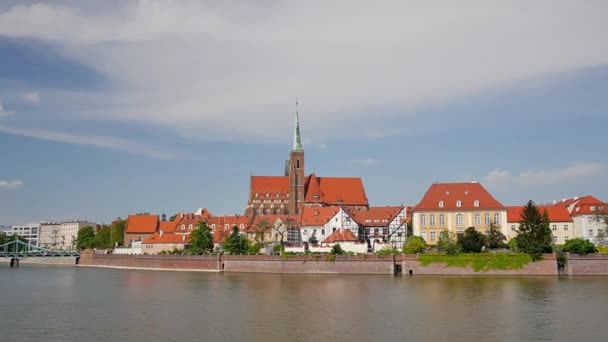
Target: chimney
183, 237
161, 232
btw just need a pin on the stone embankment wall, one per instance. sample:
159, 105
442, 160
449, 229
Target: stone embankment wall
59, 261
545, 267
209, 263
360, 264
589, 264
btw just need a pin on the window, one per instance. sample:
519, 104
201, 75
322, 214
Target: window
432, 219
376, 231
422, 220
566, 238
565, 227
183, 226
242, 225
513, 227
305, 232
333, 229
322, 231
400, 234
592, 208
496, 218
458, 204
213, 225
347, 218
432, 236
477, 220
314, 231
441, 219
190, 226
589, 219
336, 219
440, 204
459, 219
476, 203
227, 225
590, 232
555, 239
487, 218
554, 227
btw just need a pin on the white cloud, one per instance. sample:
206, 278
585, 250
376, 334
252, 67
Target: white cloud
367, 162
234, 67
107, 142
32, 97
10, 184
5, 113
499, 178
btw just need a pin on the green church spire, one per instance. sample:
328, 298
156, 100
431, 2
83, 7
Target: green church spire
297, 144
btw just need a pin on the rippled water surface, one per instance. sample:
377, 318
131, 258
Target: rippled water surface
85, 304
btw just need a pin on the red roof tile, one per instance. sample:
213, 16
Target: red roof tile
313, 189
556, 213
167, 238
342, 190
317, 216
167, 226
341, 235
222, 221
141, 224
451, 193
376, 216
270, 184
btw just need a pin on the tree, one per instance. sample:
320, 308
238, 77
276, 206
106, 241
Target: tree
85, 238
172, 217
495, 238
414, 245
236, 243
5, 238
313, 239
103, 238
254, 249
201, 240
579, 246
336, 249
447, 243
534, 234
472, 241
118, 232
259, 229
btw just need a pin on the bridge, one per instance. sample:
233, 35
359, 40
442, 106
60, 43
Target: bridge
18, 249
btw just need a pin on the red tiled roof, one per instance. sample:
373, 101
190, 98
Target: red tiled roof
556, 213
167, 238
272, 220
167, 226
220, 234
222, 221
342, 190
141, 224
376, 216
270, 184
341, 235
317, 216
313, 189
450, 193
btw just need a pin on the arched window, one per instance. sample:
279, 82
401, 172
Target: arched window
183, 226
441, 219
458, 204
266, 211
242, 225
190, 226
227, 225
432, 219
497, 218
213, 225
459, 219
477, 219
376, 231
486, 218
440, 204
476, 203
422, 220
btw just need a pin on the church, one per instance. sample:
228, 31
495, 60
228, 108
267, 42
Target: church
291, 193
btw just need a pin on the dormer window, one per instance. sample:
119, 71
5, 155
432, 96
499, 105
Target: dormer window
267, 195
592, 208
256, 195
440, 204
476, 203
190, 226
183, 226
458, 204
242, 225
315, 198
227, 225
213, 226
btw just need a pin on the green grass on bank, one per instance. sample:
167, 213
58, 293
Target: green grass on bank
479, 262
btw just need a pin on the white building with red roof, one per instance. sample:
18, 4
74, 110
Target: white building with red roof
586, 213
321, 222
382, 225
455, 207
561, 224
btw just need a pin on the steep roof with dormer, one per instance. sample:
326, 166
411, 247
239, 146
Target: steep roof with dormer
376, 216
447, 196
317, 216
141, 224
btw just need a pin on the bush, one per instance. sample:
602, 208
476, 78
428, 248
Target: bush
254, 249
579, 246
447, 243
388, 250
278, 249
479, 261
414, 245
337, 250
513, 246
472, 241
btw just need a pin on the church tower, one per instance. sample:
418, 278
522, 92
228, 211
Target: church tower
296, 172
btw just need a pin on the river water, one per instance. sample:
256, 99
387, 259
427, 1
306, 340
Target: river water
87, 304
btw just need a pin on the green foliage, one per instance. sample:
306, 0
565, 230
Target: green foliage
512, 244
388, 250
336, 249
173, 217
534, 234
602, 249
560, 256
495, 238
472, 241
447, 243
103, 238
579, 246
118, 232
85, 238
278, 249
313, 239
479, 261
5, 238
201, 240
254, 249
414, 245
236, 243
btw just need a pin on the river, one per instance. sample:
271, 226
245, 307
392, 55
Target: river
87, 304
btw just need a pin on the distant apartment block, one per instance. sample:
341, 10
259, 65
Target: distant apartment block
61, 235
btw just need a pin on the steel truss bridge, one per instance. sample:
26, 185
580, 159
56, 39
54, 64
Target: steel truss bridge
18, 249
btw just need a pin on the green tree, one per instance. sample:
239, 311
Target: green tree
254, 249
447, 243
534, 234
336, 249
201, 240
579, 246
173, 217
495, 238
472, 241
414, 245
313, 239
103, 238
118, 232
5, 238
85, 238
236, 243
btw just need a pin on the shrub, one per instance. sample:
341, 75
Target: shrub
254, 249
337, 250
479, 261
447, 243
602, 249
414, 245
513, 246
388, 250
579, 246
472, 241
277, 249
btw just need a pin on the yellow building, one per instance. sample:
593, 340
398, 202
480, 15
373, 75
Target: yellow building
455, 207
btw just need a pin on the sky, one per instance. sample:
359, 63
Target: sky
110, 108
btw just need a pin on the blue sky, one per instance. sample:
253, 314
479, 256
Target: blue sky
112, 108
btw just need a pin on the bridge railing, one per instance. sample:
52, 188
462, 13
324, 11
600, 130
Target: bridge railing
20, 249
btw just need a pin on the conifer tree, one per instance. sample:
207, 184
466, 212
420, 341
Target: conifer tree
534, 234
201, 240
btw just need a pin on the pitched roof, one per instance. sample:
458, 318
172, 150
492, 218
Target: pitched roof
220, 234
167, 226
141, 224
317, 216
313, 189
222, 221
341, 235
342, 190
270, 184
167, 238
451, 193
556, 213
376, 216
